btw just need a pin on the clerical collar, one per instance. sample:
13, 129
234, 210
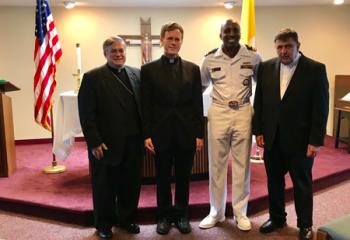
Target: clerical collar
116, 69
294, 63
170, 60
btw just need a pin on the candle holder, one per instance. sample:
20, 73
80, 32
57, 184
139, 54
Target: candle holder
257, 157
77, 77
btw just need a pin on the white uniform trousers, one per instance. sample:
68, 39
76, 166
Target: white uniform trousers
229, 129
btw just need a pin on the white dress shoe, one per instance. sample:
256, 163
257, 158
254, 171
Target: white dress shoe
243, 223
209, 222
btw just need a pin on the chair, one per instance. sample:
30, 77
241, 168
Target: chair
338, 229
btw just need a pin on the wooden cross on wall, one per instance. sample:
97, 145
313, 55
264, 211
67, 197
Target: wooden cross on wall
146, 40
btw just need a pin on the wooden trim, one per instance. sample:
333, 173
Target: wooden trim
200, 168
341, 87
7, 139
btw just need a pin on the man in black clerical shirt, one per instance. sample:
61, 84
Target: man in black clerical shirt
110, 117
173, 126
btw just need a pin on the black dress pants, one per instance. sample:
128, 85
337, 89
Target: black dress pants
277, 163
182, 160
116, 189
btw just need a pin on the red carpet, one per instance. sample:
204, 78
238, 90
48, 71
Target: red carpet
67, 196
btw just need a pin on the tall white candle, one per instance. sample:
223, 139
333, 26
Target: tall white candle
78, 55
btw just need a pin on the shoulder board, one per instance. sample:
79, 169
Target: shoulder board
250, 48
210, 52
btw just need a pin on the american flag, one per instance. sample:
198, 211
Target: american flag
46, 53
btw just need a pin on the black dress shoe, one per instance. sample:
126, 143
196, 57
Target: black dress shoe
104, 234
305, 233
183, 225
163, 226
271, 226
130, 227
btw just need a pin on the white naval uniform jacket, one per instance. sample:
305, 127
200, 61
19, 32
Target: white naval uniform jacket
231, 78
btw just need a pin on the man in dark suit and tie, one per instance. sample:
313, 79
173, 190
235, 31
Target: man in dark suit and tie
291, 110
109, 110
173, 125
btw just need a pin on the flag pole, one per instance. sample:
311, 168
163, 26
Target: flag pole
54, 168
248, 37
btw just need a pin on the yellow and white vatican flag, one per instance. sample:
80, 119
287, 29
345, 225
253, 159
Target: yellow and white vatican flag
248, 37
248, 23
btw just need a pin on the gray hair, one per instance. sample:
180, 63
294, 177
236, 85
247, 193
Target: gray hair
110, 41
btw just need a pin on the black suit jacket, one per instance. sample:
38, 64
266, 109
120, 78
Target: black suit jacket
301, 115
102, 110
173, 112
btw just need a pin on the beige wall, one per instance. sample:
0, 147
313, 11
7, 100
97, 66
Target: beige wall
323, 31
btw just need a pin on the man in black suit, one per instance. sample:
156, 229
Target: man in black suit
173, 125
109, 110
291, 110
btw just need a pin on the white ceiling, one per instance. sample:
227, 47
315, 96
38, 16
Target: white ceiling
165, 3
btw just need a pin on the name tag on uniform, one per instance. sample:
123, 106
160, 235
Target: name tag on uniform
215, 69
246, 65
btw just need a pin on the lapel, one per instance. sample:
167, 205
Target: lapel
134, 81
180, 81
276, 78
112, 84
296, 75
161, 74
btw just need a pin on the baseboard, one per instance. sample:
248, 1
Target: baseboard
41, 141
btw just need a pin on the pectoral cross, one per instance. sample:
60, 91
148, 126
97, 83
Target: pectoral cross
146, 40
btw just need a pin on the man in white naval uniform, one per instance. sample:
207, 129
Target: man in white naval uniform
230, 69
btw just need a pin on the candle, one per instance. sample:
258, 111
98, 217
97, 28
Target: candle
78, 56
